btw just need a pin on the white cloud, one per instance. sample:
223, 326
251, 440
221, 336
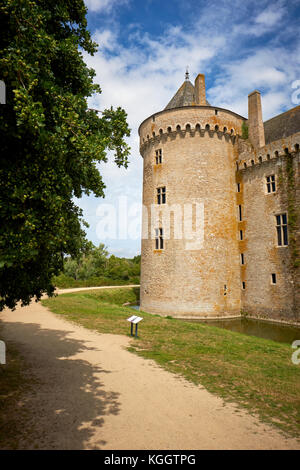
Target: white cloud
103, 5
143, 76
270, 16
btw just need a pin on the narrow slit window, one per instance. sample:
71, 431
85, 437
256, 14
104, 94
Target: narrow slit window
282, 230
273, 278
159, 239
161, 195
243, 285
241, 235
158, 156
271, 185
242, 258
238, 187
240, 213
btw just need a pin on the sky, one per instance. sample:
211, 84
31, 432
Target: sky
144, 48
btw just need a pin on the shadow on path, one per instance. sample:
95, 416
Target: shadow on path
66, 405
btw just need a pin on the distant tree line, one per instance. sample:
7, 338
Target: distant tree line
95, 267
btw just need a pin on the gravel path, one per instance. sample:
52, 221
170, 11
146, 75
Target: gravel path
92, 393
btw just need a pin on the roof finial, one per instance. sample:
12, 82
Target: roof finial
187, 75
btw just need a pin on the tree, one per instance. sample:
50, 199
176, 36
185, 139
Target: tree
50, 142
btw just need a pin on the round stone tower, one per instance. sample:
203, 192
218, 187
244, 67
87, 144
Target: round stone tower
190, 256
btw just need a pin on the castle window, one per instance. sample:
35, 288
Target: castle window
273, 278
243, 285
161, 195
242, 258
240, 213
241, 235
282, 230
158, 156
271, 186
159, 239
238, 187
216, 112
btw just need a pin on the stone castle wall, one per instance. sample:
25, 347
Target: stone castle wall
263, 256
198, 167
206, 161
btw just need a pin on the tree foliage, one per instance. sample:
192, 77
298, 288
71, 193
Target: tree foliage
50, 142
97, 267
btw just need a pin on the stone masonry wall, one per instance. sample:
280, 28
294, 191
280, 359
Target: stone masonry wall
263, 256
198, 166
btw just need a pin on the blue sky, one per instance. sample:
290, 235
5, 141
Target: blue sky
144, 48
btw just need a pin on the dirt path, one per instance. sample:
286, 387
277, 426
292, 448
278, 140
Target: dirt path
93, 394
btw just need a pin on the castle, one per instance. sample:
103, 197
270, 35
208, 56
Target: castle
243, 176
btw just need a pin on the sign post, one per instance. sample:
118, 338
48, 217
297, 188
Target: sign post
134, 320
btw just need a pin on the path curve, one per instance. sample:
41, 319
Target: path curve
94, 394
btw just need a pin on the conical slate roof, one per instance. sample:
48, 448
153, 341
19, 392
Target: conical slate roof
185, 96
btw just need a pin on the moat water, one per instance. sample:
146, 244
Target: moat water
249, 326
252, 327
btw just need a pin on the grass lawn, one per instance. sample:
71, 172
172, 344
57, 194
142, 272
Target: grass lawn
254, 372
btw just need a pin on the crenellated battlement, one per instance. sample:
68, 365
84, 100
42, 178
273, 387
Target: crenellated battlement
179, 133
192, 120
248, 156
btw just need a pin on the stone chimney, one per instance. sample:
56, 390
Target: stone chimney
200, 98
255, 122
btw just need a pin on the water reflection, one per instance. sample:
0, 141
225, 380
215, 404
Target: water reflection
262, 329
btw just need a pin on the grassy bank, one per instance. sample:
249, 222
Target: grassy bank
254, 372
